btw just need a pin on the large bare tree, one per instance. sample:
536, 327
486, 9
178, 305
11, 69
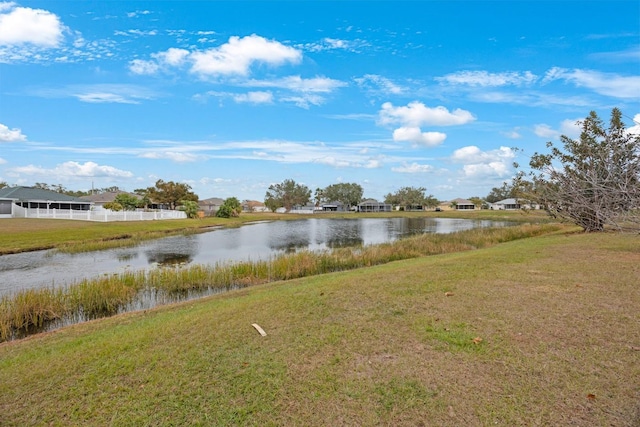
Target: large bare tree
593, 181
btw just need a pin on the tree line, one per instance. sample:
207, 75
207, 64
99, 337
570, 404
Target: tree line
289, 194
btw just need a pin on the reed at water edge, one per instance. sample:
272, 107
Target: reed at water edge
104, 296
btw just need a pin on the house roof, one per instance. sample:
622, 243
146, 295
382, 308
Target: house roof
106, 197
507, 202
463, 202
211, 201
36, 194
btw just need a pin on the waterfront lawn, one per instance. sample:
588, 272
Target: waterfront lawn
539, 331
27, 234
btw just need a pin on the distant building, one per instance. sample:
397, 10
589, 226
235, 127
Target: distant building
38, 198
332, 207
210, 206
100, 199
512, 204
372, 205
463, 204
253, 206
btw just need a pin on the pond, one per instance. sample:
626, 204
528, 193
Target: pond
254, 241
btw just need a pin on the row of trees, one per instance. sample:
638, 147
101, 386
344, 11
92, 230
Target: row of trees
288, 194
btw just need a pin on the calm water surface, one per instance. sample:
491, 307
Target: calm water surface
250, 242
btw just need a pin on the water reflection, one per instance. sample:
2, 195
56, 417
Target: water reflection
172, 251
255, 241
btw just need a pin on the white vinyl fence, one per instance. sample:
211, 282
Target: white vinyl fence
102, 215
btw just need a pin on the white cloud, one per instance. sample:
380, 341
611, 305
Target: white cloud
298, 84
135, 32
140, 66
568, 127
415, 115
111, 93
137, 13
232, 58
418, 114
304, 101
376, 83
2, 161
417, 137
487, 79
413, 168
11, 135
513, 134
629, 55
608, 84
99, 93
172, 56
175, 156
635, 129
237, 55
72, 170
254, 97
478, 163
23, 25
571, 128
329, 43
545, 131
103, 97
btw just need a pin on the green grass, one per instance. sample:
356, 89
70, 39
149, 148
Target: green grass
20, 235
384, 345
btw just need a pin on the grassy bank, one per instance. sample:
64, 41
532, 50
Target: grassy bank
20, 235
28, 311
538, 331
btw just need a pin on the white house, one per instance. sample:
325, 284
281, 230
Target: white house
512, 204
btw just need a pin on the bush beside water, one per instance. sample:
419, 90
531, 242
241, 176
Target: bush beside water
32, 310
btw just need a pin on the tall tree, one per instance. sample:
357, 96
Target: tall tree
431, 202
407, 197
349, 194
231, 207
128, 202
3, 184
287, 194
171, 193
500, 193
593, 181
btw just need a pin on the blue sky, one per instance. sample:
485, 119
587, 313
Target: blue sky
231, 97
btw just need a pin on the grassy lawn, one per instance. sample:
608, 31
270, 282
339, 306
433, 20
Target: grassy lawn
539, 331
20, 234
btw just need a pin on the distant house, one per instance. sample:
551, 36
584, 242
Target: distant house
463, 204
210, 206
512, 204
332, 207
414, 208
100, 199
253, 206
38, 198
372, 205
309, 208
